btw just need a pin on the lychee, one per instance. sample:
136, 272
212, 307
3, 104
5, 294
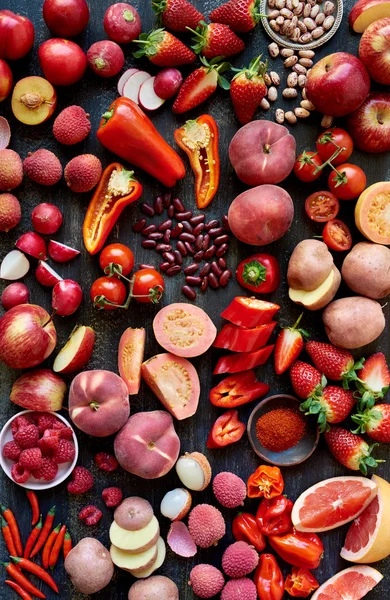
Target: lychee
229, 489
43, 167
206, 581
10, 212
206, 525
72, 125
239, 559
239, 589
83, 172
11, 170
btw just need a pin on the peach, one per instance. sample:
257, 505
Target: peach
33, 100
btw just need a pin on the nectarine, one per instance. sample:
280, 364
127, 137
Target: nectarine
33, 100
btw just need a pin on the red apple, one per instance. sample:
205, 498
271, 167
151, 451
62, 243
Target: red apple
369, 125
63, 62
40, 390
66, 18
338, 84
366, 12
16, 35
374, 50
5, 80
27, 336
66, 298
76, 352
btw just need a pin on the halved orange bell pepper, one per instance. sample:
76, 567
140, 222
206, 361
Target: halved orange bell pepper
117, 189
266, 481
199, 140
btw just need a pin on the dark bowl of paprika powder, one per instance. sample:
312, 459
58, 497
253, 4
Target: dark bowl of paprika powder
280, 433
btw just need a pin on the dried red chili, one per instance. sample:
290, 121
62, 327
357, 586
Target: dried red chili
280, 429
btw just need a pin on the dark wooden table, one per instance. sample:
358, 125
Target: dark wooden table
95, 95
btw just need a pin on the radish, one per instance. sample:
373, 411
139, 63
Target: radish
46, 218
14, 294
14, 266
46, 275
60, 252
67, 297
33, 244
167, 83
124, 78
5, 133
132, 85
147, 97
105, 58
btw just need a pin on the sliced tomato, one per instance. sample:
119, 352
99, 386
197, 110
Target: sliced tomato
130, 358
322, 206
237, 390
337, 236
234, 363
249, 312
226, 430
238, 339
330, 141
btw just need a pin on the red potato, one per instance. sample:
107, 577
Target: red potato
16, 35
105, 58
130, 358
158, 587
46, 218
5, 80
63, 62
14, 294
122, 23
66, 297
133, 513
66, 18
167, 83
148, 445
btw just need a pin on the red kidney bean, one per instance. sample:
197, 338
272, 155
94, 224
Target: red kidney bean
213, 281
199, 242
176, 231
215, 232
140, 224
164, 266
178, 204
198, 229
221, 239
211, 224
225, 223
165, 225
222, 263
169, 256
221, 250
191, 269
148, 244
204, 285
181, 247
145, 266
190, 248
148, 229
210, 252
147, 209
224, 279
187, 227
163, 247
187, 237
193, 280
198, 256
167, 236
158, 205
205, 270
167, 199
183, 216
155, 236
206, 241
215, 269
198, 219
174, 270
178, 257
188, 292
171, 211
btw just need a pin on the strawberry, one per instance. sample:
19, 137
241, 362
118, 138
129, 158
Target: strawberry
334, 363
200, 85
289, 344
332, 405
350, 449
240, 15
374, 380
216, 40
375, 422
163, 49
176, 15
305, 379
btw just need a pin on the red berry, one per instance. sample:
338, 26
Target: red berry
106, 462
49, 442
11, 450
19, 474
47, 471
65, 452
44, 421
21, 421
90, 514
112, 496
27, 436
31, 458
82, 481
66, 433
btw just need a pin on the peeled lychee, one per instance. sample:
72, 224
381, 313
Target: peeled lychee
239, 589
11, 170
206, 581
83, 172
72, 125
10, 212
43, 167
206, 525
239, 559
229, 489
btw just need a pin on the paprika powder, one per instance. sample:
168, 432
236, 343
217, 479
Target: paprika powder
280, 428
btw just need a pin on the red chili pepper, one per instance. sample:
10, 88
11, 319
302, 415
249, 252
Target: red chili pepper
226, 430
32, 538
117, 189
199, 140
49, 545
245, 529
298, 548
238, 339
33, 498
300, 583
22, 580
55, 551
241, 361
274, 515
7, 535
45, 531
67, 545
126, 131
10, 518
18, 589
266, 481
249, 312
35, 569
259, 273
237, 390
268, 578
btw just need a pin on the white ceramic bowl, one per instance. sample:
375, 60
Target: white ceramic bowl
64, 470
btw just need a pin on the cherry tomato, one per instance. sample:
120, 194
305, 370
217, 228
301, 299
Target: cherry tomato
348, 183
149, 285
328, 141
322, 206
337, 236
305, 166
116, 254
111, 288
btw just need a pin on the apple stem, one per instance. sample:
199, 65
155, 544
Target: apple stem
50, 318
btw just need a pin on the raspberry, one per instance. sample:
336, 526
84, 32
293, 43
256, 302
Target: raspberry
58, 424
21, 421
66, 433
49, 442
82, 481
19, 474
106, 462
44, 421
11, 450
27, 436
31, 459
90, 514
47, 471
112, 496
65, 452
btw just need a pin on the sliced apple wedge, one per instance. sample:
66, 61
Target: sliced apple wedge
132, 85
60, 252
124, 78
14, 266
366, 12
76, 352
133, 562
135, 541
46, 275
320, 297
161, 553
147, 97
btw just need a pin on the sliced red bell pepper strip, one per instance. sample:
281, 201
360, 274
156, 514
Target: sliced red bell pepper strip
245, 529
268, 578
238, 339
116, 189
266, 482
131, 357
226, 430
300, 583
237, 390
249, 312
233, 363
259, 273
273, 516
298, 548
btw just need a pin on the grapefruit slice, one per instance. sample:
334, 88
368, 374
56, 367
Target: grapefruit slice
332, 502
352, 584
368, 538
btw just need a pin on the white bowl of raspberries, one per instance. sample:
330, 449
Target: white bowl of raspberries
39, 450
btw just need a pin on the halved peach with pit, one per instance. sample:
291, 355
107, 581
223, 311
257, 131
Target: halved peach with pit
34, 100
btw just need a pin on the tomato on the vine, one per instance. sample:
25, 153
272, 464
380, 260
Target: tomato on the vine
119, 255
148, 285
306, 165
328, 141
322, 206
337, 236
109, 288
348, 183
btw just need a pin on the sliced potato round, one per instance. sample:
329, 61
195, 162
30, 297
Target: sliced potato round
133, 562
161, 553
135, 541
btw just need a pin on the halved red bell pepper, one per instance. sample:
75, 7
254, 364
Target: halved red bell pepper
266, 482
226, 430
130, 357
116, 189
237, 390
233, 363
199, 140
298, 548
249, 312
259, 273
245, 529
273, 516
238, 339
300, 583
268, 578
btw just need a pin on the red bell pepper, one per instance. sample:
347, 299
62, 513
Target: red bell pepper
238, 339
259, 273
126, 131
226, 430
274, 515
266, 481
199, 140
268, 578
300, 583
117, 189
237, 390
249, 312
233, 363
245, 529
298, 548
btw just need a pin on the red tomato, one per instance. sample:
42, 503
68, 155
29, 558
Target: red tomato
119, 255
148, 286
322, 206
348, 183
328, 141
305, 166
337, 236
259, 273
112, 289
